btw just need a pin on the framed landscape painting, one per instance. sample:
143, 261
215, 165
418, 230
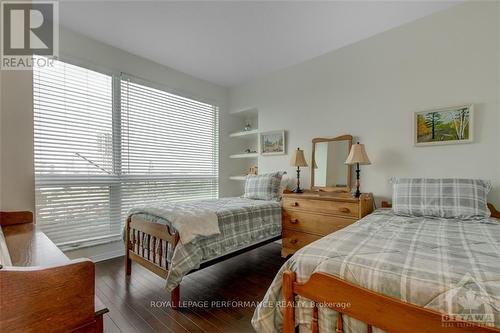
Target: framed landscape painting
444, 126
272, 143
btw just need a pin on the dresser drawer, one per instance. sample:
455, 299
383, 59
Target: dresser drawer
324, 206
314, 223
294, 240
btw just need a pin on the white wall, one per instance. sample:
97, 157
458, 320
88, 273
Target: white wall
16, 142
1, 102
497, 152
371, 89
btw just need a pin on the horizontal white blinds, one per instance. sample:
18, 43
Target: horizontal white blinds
169, 146
73, 121
73, 124
95, 157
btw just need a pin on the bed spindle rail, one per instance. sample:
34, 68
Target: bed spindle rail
340, 324
139, 236
374, 309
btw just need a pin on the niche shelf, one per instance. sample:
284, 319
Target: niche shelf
244, 140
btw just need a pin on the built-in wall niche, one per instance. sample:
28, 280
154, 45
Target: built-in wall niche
245, 154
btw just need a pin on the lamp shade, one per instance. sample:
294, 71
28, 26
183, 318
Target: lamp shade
358, 155
298, 159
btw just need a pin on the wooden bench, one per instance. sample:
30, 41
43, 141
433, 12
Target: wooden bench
41, 290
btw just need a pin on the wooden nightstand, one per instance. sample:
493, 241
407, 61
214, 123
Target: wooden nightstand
312, 215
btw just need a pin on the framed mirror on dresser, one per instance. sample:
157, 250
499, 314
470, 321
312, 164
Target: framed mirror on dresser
328, 206
329, 172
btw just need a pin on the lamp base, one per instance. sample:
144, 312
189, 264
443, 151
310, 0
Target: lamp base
358, 193
298, 189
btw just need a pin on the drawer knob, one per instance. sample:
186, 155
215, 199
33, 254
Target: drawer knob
295, 204
293, 241
344, 210
294, 221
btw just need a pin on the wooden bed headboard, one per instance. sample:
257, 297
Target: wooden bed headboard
494, 212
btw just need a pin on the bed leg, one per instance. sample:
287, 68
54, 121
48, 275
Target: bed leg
175, 297
289, 313
128, 262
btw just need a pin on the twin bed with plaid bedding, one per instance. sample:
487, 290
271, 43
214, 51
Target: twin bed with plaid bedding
449, 265
242, 223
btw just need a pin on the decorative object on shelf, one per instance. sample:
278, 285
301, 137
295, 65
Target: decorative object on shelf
248, 127
272, 143
250, 151
253, 170
357, 156
298, 160
444, 126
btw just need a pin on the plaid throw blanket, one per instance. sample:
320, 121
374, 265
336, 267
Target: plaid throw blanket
242, 222
449, 265
187, 217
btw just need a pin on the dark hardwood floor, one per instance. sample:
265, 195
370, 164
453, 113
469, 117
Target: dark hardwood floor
140, 304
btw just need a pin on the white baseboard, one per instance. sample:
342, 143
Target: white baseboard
99, 252
107, 255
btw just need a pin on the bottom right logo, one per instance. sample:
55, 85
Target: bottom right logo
468, 303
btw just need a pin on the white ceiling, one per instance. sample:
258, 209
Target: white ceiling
228, 43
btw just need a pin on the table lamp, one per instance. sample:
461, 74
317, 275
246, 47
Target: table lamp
298, 160
358, 156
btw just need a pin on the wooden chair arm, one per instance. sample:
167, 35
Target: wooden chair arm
47, 299
10, 218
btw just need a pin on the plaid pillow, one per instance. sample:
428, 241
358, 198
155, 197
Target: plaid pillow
448, 198
263, 187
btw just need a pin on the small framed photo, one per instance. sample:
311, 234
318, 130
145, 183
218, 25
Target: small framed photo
272, 143
444, 126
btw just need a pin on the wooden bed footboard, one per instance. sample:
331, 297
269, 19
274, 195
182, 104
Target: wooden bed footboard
376, 310
140, 237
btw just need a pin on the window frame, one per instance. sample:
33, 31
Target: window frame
115, 179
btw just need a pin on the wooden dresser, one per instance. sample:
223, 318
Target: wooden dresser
311, 215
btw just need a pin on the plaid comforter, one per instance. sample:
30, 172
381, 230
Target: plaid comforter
449, 265
242, 223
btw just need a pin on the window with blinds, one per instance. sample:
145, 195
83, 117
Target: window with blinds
169, 146
105, 143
